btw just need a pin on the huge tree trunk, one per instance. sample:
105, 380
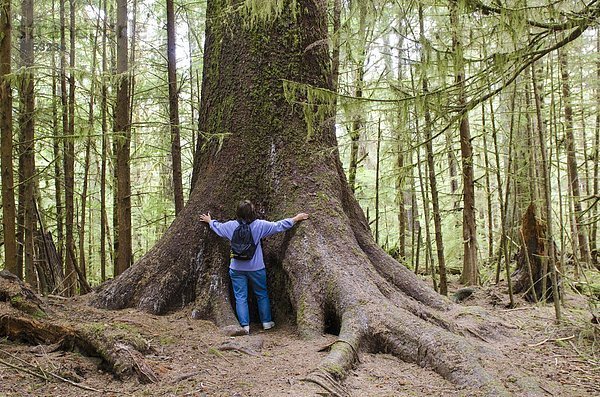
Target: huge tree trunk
326, 275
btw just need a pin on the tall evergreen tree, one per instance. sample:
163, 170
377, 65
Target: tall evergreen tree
27, 152
174, 108
122, 138
6, 164
327, 275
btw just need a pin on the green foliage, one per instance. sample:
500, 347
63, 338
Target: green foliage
382, 40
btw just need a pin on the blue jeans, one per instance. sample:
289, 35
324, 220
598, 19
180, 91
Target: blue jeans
258, 279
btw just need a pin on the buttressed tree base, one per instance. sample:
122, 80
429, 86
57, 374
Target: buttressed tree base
327, 274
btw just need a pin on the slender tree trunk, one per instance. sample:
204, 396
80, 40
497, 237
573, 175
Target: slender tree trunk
68, 158
572, 162
585, 146
103, 160
122, 129
501, 249
377, 168
488, 185
452, 169
502, 199
400, 185
88, 144
428, 244
554, 142
401, 131
547, 189
58, 160
437, 220
596, 159
358, 120
20, 213
69, 149
470, 273
8, 194
192, 123
505, 199
174, 108
336, 44
26, 122
530, 158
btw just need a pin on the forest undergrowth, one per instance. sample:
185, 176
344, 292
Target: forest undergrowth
194, 358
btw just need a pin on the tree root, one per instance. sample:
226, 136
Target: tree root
24, 318
328, 382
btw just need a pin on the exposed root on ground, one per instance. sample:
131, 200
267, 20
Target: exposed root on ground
24, 318
379, 313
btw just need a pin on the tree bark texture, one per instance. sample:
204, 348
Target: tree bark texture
534, 250
26, 123
174, 108
6, 163
470, 273
58, 184
104, 150
327, 274
437, 220
596, 160
358, 120
122, 144
573, 173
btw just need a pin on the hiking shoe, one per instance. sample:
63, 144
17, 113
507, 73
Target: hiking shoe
247, 329
268, 325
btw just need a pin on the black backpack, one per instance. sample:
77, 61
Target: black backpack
242, 242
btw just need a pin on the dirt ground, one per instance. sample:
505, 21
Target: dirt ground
193, 358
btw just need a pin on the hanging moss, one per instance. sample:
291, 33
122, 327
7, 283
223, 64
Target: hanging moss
317, 104
264, 11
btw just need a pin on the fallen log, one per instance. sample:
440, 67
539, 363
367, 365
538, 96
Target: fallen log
24, 318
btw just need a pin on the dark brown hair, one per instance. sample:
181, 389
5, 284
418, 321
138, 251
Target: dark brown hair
245, 211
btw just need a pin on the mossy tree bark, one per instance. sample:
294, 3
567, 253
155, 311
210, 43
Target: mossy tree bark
327, 274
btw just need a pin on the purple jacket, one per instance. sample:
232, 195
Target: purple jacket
260, 229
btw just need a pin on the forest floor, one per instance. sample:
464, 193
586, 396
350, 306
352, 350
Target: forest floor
194, 358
